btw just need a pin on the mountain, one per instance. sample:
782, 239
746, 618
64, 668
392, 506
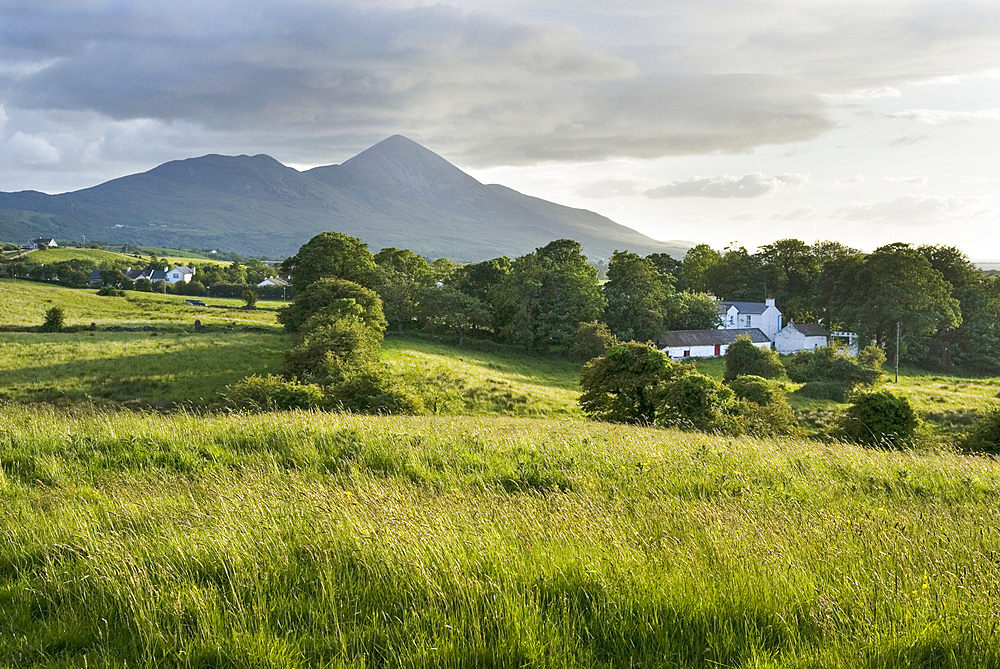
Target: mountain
396, 193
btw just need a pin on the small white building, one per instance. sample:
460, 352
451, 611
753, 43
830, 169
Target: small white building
273, 281
741, 315
178, 274
39, 242
679, 344
800, 337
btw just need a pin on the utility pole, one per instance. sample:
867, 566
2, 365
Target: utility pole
897, 351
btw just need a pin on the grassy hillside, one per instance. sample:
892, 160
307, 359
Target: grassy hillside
300, 539
24, 303
101, 256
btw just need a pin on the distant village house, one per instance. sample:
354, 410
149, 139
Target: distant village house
39, 242
681, 344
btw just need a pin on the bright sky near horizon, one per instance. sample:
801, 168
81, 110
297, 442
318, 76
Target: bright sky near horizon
712, 121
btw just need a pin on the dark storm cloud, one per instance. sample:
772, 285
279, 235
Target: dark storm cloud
489, 90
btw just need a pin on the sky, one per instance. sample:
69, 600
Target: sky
711, 121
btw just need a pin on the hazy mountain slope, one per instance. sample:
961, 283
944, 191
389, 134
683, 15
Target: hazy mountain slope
397, 193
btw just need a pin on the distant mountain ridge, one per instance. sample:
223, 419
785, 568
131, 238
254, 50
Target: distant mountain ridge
396, 193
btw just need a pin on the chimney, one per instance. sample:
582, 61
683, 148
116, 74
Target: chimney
769, 302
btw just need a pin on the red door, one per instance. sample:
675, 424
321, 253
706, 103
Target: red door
718, 349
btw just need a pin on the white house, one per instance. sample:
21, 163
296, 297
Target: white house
741, 315
706, 343
274, 281
38, 242
179, 274
800, 337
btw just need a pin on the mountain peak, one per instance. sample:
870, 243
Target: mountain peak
403, 164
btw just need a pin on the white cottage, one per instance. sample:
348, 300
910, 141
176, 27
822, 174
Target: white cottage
178, 274
706, 343
800, 337
39, 242
742, 315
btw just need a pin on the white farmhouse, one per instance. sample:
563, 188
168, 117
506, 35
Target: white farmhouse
741, 315
800, 337
39, 242
274, 281
706, 343
178, 274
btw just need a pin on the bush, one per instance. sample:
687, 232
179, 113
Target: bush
54, 320
745, 359
757, 389
273, 393
375, 393
591, 340
332, 294
880, 419
984, 435
770, 420
333, 347
830, 363
110, 291
699, 402
834, 391
625, 384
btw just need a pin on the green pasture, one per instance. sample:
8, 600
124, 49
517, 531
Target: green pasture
101, 256
24, 303
318, 540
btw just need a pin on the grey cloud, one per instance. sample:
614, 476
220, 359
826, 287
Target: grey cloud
725, 186
308, 77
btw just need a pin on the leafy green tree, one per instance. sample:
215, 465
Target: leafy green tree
696, 264
401, 274
737, 276
236, 272
249, 299
448, 308
880, 419
336, 294
636, 297
790, 272
331, 255
478, 279
745, 359
546, 295
692, 311
668, 266
334, 345
625, 385
895, 283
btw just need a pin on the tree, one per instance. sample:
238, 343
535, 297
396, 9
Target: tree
335, 294
402, 273
790, 269
334, 345
745, 359
636, 298
445, 307
625, 385
692, 311
668, 266
249, 299
236, 273
894, 284
478, 279
737, 276
699, 402
331, 255
696, 263
546, 295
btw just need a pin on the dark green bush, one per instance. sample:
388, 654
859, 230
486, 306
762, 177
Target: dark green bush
110, 291
591, 340
697, 401
834, 391
374, 393
273, 393
54, 320
880, 419
984, 435
770, 420
757, 389
745, 359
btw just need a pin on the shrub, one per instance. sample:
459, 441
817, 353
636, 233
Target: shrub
830, 363
697, 401
333, 347
880, 419
625, 384
745, 359
332, 294
54, 320
591, 340
757, 389
770, 420
249, 298
984, 435
374, 393
834, 391
273, 393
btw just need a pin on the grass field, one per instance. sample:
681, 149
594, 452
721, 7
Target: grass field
295, 540
24, 303
99, 256
198, 539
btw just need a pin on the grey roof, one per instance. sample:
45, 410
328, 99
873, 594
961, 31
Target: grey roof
745, 307
709, 337
810, 329
158, 275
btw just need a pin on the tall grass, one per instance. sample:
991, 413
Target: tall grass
305, 539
